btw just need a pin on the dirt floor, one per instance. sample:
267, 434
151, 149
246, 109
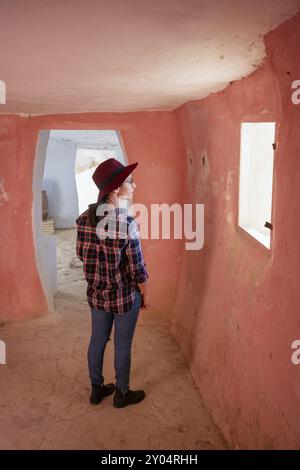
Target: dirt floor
44, 387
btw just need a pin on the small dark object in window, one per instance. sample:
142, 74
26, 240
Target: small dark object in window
269, 225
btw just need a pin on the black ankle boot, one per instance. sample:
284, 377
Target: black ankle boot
128, 397
100, 391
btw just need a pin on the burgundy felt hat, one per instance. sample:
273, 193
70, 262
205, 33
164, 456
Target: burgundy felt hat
110, 174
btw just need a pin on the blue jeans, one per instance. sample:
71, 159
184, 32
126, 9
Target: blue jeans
102, 323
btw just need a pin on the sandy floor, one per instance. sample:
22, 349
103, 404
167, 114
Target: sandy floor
45, 386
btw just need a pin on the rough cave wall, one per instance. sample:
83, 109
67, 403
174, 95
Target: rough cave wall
237, 310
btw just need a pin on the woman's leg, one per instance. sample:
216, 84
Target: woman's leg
124, 329
101, 329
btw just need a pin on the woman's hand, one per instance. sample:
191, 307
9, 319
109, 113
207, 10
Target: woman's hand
145, 299
145, 302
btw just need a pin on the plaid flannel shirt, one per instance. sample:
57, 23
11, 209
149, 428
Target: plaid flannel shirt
112, 266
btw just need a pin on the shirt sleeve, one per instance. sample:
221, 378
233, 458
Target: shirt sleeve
135, 256
79, 242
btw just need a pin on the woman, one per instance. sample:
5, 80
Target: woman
116, 274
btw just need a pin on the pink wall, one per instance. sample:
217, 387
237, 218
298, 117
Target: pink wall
153, 139
237, 311
21, 291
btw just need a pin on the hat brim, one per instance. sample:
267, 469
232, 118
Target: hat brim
116, 181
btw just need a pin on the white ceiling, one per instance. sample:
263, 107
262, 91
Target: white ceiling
88, 139
92, 146
62, 56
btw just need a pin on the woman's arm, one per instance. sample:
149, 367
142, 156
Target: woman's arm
79, 241
137, 264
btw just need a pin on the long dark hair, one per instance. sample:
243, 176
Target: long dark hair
92, 211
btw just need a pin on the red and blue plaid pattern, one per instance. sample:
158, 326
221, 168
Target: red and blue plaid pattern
112, 266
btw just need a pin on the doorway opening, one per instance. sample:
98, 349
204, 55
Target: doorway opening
62, 189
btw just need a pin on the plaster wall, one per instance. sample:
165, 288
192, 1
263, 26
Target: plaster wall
237, 310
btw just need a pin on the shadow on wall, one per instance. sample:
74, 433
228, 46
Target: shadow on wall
59, 182
55, 199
